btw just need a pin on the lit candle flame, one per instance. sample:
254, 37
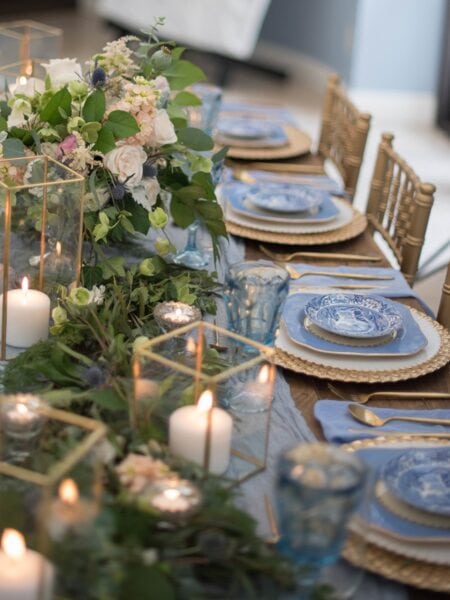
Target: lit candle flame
264, 374
29, 67
13, 544
191, 346
22, 409
58, 249
22, 80
172, 494
205, 402
68, 492
25, 284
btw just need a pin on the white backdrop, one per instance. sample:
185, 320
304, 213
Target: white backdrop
228, 27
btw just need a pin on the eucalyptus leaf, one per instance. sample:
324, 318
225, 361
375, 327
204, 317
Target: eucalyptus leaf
182, 73
186, 99
13, 148
51, 112
105, 141
94, 106
122, 124
195, 138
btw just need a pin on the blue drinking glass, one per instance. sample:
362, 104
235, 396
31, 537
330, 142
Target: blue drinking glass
203, 117
254, 295
318, 488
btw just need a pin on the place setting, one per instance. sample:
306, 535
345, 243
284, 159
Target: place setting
358, 336
285, 212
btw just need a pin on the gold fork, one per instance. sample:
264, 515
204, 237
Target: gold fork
364, 398
299, 274
324, 255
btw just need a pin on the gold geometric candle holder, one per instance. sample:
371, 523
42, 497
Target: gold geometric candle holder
34, 480
23, 40
175, 369
40, 237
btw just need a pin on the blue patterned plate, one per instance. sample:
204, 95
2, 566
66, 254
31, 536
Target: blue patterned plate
247, 129
409, 338
354, 315
282, 199
237, 194
421, 478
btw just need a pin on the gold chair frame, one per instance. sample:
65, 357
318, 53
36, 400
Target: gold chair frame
343, 134
444, 307
399, 206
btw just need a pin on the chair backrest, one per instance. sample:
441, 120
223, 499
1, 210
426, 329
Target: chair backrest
444, 307
399, 206
344, 133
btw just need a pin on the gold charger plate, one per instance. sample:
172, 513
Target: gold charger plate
347, 232
384, 562
298, 143
327, 371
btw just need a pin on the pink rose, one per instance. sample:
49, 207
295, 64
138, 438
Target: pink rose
68, 144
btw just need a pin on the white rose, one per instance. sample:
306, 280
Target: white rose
146, 193
127, 163
31, 86
20, 109
163, 129
63, 70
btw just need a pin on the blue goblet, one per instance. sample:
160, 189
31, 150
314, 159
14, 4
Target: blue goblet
319, 486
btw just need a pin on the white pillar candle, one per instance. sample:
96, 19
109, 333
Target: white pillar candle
188, 428
28, 316
24, 574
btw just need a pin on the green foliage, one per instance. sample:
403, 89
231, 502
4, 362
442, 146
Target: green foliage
182, 74
195, 138
121, 124
12, 148
58, 108
94, 106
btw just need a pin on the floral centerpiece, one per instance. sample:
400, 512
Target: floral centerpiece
123, 125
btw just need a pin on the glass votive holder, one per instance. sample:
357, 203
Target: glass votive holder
176, 499
70, 513
205, 116
171, 315
319, 486
22, 421
254, 296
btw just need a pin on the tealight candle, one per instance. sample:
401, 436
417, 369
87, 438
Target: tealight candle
22, 423
256, 395
70, 512
28, 316
175, 498
188, 427
24, 574
171, 315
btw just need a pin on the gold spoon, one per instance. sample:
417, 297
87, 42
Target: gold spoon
319, 255
298, 274
368, 417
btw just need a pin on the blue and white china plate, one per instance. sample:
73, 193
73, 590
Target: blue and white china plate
408, 341
247, 129
237, 195
354, 315
278, 198
421, 478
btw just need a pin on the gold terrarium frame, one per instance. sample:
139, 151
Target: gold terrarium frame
32, 30
9, 191
203, 381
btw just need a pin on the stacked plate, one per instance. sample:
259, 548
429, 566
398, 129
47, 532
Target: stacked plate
410, 512
284, 208
250, 133
357, 337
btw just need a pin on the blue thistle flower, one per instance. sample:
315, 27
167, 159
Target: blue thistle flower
150, 170
94, 376
118, 191
98, 78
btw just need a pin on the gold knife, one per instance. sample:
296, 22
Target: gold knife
397, 434
298, 274
324, 255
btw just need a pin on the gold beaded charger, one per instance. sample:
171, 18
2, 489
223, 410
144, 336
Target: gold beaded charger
368, 369
298, 143
388, 563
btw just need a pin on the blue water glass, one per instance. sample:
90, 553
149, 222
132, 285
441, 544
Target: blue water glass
318, 488
254, 295
205, 116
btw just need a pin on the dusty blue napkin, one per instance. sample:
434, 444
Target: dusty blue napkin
336, 421
277, 113
393, 288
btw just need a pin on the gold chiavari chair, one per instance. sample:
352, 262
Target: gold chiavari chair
444, 307
343, 133
399, 206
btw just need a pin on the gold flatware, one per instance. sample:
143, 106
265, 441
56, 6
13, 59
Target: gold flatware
299, 274
364, 398
343, 286
286, 168
274, 531
311, 179
400, 434
368, 417
323, 255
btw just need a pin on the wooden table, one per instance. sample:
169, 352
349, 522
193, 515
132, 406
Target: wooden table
307, 390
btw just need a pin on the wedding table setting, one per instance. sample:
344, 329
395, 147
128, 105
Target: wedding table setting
214, 383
